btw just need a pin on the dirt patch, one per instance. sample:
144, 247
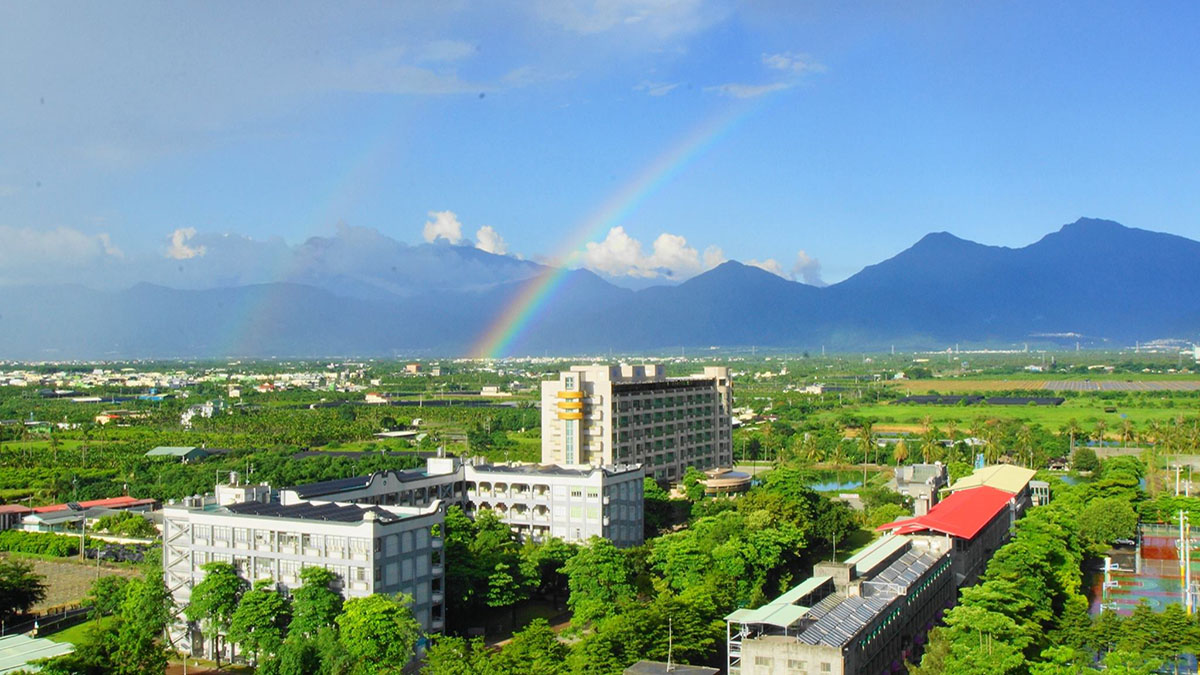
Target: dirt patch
67, 582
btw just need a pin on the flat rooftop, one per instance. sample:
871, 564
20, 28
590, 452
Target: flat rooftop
326, 511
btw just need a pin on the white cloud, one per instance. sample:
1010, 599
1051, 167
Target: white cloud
792, 62
670, 256
488, 239
179, 248
713, 256
26, 247
444, 225
656, 88
770, 264
738, 90
618, 254
807, 269
659, 18
446, 50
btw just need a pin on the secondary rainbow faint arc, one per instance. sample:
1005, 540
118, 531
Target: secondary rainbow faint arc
535, 292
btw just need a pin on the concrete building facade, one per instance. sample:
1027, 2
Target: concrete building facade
371, 549
599, 415
536, 501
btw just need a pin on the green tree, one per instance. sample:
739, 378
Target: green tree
1084, 459
145, 612
1108, 519
20, 588
259, 622
900, 452
599, 577
314, 603
450, 655
214, 600
105, 595
378, 632
534, 650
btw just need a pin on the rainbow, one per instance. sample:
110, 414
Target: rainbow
256, 314
536, 291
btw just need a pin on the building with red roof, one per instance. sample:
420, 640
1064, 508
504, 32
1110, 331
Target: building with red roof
11, 515
979, 520
124, 502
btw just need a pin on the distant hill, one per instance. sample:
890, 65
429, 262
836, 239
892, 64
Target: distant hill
1095, 278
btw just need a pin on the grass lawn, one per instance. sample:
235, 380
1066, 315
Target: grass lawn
74, 634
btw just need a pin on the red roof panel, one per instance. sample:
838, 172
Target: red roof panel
962, 514
110, 503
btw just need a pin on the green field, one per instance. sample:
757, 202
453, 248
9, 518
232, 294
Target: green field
1086, 411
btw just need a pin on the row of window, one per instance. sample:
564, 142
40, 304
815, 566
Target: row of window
796, 666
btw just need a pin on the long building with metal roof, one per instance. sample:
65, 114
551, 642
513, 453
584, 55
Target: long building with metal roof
859, 616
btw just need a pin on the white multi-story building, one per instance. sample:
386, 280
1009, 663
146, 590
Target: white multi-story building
371, 549
571, 503
599, 415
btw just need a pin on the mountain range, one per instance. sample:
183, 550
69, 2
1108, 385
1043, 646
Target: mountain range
1094, 281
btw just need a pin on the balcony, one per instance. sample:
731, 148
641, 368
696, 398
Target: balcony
436, 570
436, 542
437, 624
437, 598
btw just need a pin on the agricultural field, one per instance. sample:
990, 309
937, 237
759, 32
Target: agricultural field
68, 581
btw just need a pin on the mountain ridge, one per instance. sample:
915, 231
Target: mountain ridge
1092, 276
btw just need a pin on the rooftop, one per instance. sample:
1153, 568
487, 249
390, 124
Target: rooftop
318, 511
173, 451
124, 502
1011, 479
16, 651
963, 514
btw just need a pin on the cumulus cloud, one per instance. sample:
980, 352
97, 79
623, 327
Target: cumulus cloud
444, 225
670, 256
179, 249
713, 256
807, 269
792, 62
739, 90
770, 264
656, 88
488, 239
25, 247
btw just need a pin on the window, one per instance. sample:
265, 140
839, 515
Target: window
221, 532
577, 492
762, 661
203, 532
241, 535
593, 493
825, 667
796, 664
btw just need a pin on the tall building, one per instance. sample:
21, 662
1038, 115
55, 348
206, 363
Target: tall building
598, 415
537, 502
371, 549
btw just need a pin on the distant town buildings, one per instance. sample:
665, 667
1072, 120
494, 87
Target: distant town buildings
603, 415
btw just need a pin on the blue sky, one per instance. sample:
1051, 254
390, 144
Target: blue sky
132, 129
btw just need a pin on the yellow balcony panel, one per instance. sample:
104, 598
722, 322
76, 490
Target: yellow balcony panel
570, 415
570, 394
570, 405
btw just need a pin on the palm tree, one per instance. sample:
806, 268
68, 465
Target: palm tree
1098, 434
866, 439
900, 453
1025, 444
952, 434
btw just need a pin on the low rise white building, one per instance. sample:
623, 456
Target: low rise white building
371, 549
537, 501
